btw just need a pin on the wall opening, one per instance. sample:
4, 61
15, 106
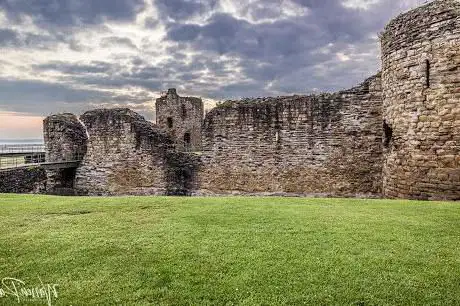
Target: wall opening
427, 73
181, 173
184, 111
187, 140
388, 134
170, 122
62, 182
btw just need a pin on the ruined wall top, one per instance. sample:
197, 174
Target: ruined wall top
64, 118
64, 137
436, 19
172, 96
103, 118
181, 118
372, 84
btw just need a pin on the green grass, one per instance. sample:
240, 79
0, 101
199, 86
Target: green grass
233, 251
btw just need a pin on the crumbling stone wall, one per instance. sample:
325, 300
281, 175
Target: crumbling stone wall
326, 144
126, 155
397, 134
23, 180
65, 139
421, 85
182, 118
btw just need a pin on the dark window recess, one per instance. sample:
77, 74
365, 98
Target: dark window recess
184, 111
388, 134
187, 138
427, 73
170, 122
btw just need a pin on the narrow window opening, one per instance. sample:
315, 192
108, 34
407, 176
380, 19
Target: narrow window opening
388, 134
184, 111
427, 73
187, 138
170, 122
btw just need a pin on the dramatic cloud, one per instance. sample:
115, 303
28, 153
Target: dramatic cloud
72, 55
71, 12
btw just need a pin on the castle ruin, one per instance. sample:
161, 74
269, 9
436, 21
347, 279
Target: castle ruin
396, 135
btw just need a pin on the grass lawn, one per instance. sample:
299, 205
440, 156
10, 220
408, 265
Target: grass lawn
232, 251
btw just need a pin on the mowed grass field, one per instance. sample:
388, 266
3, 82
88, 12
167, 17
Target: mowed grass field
233, 251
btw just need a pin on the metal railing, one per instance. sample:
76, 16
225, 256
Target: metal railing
21, 148
35, 159
21, 160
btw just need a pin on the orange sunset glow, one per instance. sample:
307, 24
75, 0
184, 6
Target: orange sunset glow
17, 125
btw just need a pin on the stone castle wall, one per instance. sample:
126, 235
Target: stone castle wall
125, 155
23, 180
421, 84
327, 144
181, 117
65, 140
129, 155
64, 137
396, 135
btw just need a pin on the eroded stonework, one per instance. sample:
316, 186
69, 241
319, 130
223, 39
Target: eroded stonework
421, 85
325, 144
128, 155
181, 118
395, 135
65, 140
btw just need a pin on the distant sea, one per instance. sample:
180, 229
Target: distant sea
20, 141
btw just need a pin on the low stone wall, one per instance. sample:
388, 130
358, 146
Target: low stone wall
23, 180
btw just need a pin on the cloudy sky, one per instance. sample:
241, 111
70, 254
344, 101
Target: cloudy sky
74, 55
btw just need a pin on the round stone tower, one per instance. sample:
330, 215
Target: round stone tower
65, 140
421, 111
64, 136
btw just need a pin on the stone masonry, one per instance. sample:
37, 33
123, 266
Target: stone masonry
125, 155
65, 140
23, 180
421, 87
129, 155
395, 135
326, 144
181, 117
